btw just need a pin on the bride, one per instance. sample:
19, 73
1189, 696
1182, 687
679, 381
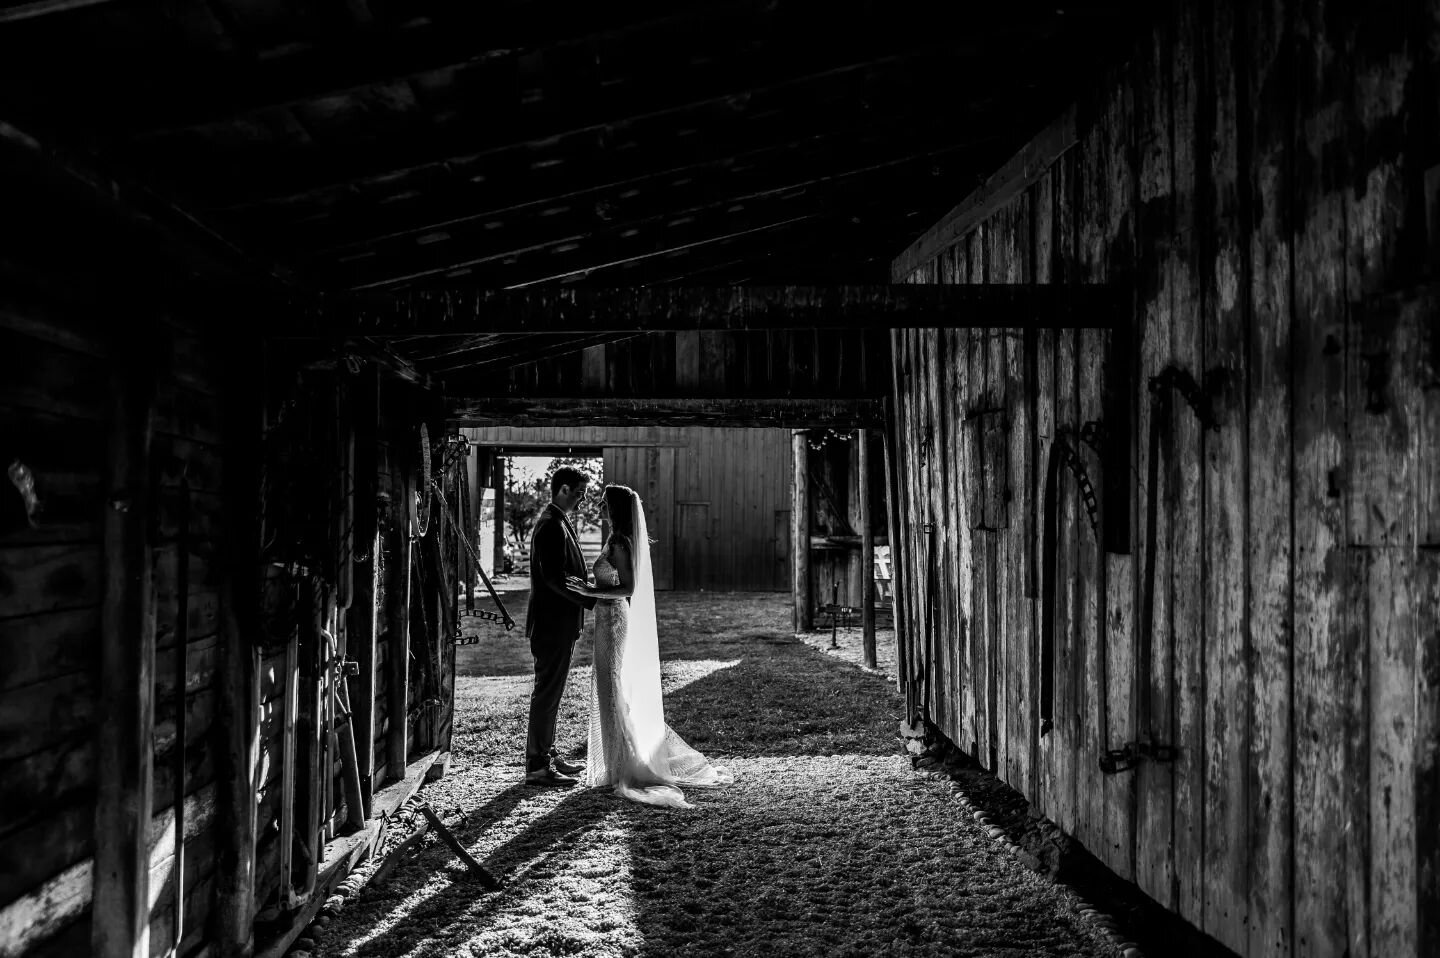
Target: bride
631, 747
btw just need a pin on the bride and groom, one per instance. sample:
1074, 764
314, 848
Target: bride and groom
631, 748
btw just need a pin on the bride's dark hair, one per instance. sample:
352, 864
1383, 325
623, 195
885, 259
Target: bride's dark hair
620, 500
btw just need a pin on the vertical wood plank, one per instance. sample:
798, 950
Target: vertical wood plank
360, 624
497, 481
238, 759
1266, 31
867, 548
1187, 575
1226, 508
801, 616
1427, 752
1324, 660
1019, 631
121, 898
1154, 781
1071, 719
397, 593
941, 496
1391, 628
899, 579
964, 545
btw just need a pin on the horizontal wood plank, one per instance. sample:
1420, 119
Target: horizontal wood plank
780, 413
630, 310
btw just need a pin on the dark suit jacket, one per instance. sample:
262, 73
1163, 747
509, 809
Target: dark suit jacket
554, 610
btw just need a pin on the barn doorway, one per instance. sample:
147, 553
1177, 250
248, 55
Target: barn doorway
519, 492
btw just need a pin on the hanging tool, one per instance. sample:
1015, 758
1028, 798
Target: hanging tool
1169, 380
1061, 454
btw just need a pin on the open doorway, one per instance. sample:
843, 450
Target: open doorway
523, 493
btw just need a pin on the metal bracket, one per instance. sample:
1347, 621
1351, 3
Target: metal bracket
1173, 377
1125, 759
1092, 434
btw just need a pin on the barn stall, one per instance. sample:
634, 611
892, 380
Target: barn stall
200, 530
1173, 574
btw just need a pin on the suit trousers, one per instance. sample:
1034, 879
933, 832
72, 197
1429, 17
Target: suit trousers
552, 670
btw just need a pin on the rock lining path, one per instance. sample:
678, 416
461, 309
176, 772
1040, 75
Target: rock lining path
827, 844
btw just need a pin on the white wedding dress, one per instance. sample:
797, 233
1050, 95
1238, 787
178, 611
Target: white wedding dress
631, 747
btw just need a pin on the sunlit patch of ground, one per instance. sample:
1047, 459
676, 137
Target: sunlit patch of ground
827, 843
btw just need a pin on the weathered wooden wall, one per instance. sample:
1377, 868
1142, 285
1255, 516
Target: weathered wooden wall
1263, 175
717, 499
56, 412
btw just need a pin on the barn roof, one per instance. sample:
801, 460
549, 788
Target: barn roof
373, 145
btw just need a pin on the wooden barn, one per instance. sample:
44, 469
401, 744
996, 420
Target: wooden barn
1116, 323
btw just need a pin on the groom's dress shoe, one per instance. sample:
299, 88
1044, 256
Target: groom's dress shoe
567, 768
550, 777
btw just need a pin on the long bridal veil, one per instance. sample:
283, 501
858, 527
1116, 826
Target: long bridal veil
652, 760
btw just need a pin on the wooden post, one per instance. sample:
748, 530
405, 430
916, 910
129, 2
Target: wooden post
361, 621
126, 715
800, 534
497, 476
867, 547
399, 595
238, 681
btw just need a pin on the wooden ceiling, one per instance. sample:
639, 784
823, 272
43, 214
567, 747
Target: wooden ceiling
495, 144
375, 144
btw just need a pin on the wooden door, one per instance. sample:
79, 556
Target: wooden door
692, 546
650, 471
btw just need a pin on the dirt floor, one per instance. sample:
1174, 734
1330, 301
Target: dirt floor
828, 843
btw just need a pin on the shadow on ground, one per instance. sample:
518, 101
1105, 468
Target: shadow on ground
826, 844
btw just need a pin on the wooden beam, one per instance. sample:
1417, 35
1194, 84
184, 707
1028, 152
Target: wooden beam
425, 45
795, 63
661, 220
189, 240
1002, 186
802, 617
867, 548
770, 413
586, 252
584, 309
511, 351
44, 8
601, 179
126, 715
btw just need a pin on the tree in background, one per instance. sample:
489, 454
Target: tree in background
524, 498
587, 513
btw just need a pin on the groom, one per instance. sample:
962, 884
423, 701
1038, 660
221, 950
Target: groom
553, 623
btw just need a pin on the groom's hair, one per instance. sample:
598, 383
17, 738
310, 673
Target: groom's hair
567, 476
